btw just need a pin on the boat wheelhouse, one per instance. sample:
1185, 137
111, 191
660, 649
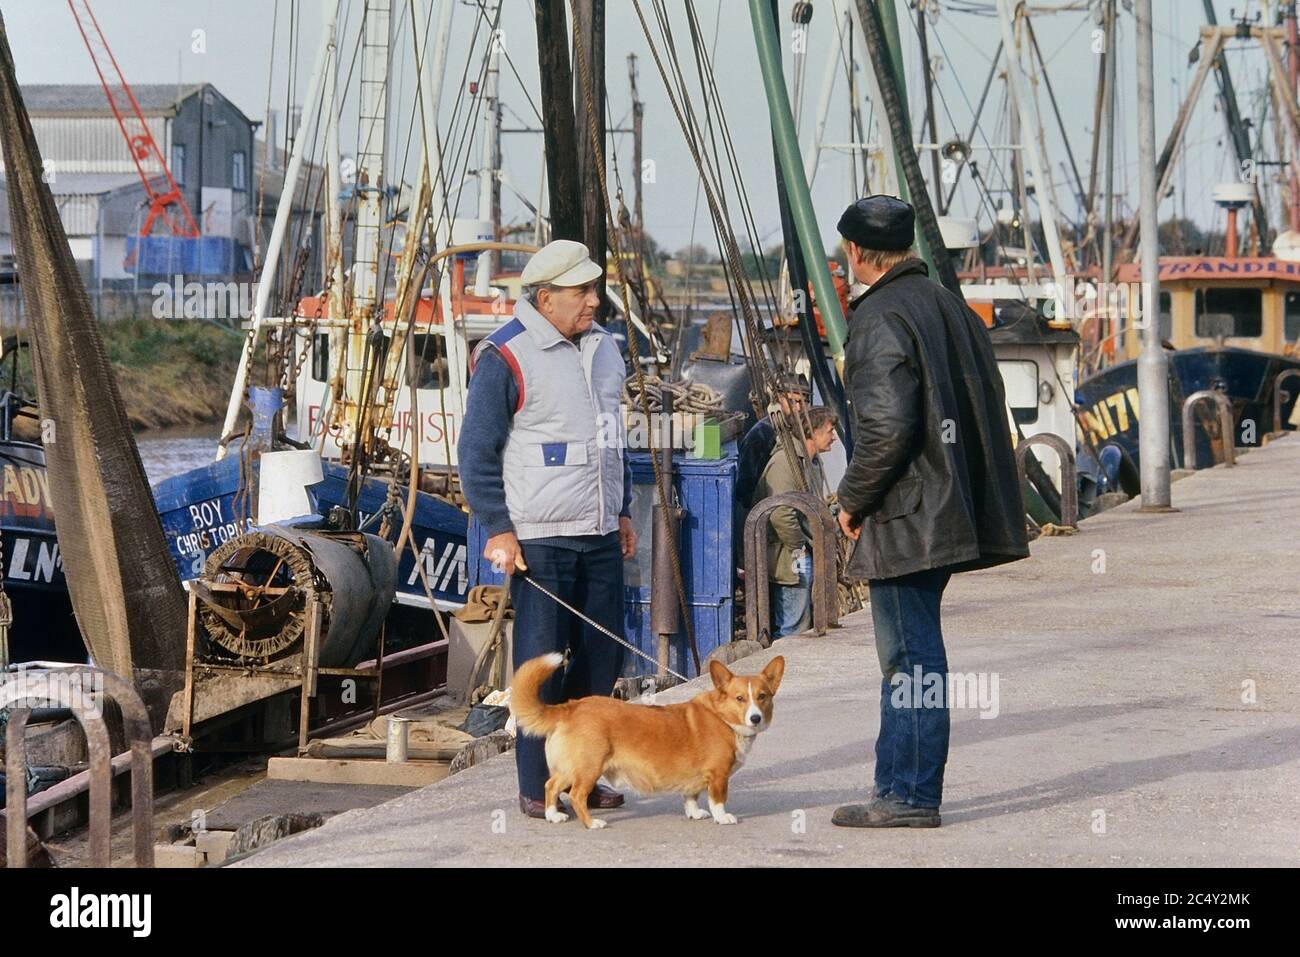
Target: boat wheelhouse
1231, 325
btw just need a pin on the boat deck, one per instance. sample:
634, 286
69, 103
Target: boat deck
1124, 733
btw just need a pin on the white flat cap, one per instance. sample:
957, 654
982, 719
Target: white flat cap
561, 263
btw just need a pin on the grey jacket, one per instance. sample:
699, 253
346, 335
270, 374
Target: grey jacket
563, 459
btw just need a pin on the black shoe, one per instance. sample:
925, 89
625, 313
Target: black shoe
885, 812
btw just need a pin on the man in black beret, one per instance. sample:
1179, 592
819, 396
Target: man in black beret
932, 489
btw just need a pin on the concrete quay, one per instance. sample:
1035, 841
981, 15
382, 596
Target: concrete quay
1147, 714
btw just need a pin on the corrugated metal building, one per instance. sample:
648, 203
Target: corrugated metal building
210, 148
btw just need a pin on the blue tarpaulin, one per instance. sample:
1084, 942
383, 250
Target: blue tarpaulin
181, 255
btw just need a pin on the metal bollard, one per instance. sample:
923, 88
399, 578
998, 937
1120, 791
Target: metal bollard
49, 686
825, 584
1223, 409
1069, 474
1278, 392
399, 730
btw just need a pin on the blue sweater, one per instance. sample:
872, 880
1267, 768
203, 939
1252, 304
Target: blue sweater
755, 450
489, 412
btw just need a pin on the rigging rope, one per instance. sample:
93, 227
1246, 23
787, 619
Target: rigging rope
614, 234
690, 397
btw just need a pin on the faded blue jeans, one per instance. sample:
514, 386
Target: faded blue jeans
791, 604
912, 747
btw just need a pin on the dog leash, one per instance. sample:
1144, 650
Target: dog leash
599, 627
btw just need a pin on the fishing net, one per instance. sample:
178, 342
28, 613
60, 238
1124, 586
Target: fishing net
124, 587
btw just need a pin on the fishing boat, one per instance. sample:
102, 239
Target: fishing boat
346, 363
1230, 325
376, 361
41, 625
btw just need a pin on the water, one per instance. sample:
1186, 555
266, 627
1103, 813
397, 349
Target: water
168, 452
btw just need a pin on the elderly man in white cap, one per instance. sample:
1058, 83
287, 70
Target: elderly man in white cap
549, 488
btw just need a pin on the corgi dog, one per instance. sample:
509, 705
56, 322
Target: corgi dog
688, 748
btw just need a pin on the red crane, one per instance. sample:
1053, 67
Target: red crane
139, 141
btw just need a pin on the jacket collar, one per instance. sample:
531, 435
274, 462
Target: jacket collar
541, 329
907, 267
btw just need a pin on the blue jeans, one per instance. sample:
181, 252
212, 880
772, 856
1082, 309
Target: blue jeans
791, 604
590, 580
912, 748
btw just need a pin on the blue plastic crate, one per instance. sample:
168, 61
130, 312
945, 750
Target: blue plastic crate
705, 489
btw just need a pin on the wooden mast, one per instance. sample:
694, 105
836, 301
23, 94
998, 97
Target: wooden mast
638, 115
558, 131
589, 26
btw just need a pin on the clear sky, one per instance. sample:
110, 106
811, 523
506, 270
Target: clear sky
244, 44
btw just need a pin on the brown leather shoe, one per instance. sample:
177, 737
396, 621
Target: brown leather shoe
532, 808
600, 798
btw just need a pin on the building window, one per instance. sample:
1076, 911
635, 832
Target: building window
178, 163
1231, 312
239, 170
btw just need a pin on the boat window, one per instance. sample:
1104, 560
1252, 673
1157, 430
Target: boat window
1166, 316
1020, 377
1291, 317
430, 362
320, 357
1231, 312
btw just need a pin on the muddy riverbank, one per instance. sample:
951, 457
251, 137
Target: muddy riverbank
171, 373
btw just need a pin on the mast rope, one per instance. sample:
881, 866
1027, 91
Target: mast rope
763, 370
614, 234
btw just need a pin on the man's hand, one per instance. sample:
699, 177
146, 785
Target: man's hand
849, 527
504, 553
626, 536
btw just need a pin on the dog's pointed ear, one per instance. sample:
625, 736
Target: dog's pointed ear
719, 673
774, 671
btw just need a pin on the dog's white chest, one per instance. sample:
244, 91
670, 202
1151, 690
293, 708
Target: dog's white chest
743, 743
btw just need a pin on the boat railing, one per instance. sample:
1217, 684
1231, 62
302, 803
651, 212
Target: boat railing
825, 596
1223, 409
1280, 395
78, 688
1069, 478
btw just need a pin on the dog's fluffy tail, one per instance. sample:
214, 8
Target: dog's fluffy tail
532, 715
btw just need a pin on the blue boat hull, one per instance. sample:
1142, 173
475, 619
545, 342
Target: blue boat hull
202, 508
1109, 410
43, 627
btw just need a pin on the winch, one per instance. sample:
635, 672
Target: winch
256, 588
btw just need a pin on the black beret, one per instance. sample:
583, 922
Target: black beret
879, 222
